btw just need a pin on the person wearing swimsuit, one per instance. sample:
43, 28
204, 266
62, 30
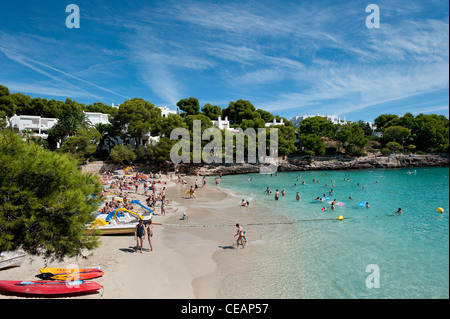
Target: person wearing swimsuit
241, 236
150, 233
139, 234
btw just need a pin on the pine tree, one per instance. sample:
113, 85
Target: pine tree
45, 200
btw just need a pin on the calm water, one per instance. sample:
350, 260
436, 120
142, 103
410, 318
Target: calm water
319, 258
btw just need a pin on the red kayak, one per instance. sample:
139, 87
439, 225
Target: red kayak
49, 288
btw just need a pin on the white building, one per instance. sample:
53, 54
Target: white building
40, 126
96, 118
165, 111
275, 123
335, 119
222, 124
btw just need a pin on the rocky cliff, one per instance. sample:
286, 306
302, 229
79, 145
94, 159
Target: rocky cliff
289, 164
305, 164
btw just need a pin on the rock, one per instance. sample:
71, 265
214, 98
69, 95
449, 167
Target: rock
293, 164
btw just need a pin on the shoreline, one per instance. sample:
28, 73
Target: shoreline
191, 259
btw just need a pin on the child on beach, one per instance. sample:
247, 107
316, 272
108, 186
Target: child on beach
139, 234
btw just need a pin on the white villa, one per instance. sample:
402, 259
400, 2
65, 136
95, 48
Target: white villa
39, 125
165, 111
335, 119
275, 123
222, 124
96, 118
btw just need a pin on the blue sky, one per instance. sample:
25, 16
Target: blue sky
287, 57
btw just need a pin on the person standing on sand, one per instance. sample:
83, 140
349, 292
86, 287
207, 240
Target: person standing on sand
163, 208
241, 236
192, 192
139, 234
150, 233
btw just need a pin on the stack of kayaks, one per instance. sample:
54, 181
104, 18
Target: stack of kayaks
64, 282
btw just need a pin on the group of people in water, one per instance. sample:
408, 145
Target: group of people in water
324, 197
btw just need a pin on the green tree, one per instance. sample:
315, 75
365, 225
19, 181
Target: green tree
265, 115
430, 133
212, 111
396, 134
137, 117
82, 144
45, 201
122, 154
71, 108
286, 139
99, 107
205, 121
189, 106
351, 135
169, 123
411, 147
317, 125
7, 104
68, 126
240, 110
382, 121
394, 146
366, 127
160, 152
312, 144
23, 103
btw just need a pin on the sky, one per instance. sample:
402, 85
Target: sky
287, 57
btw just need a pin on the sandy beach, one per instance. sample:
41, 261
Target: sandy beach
191, 258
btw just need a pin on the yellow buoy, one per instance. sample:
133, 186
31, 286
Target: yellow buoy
340, 217
440, 209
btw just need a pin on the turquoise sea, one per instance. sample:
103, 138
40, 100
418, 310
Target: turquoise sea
373, 253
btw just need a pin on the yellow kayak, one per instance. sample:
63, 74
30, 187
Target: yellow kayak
71, 273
